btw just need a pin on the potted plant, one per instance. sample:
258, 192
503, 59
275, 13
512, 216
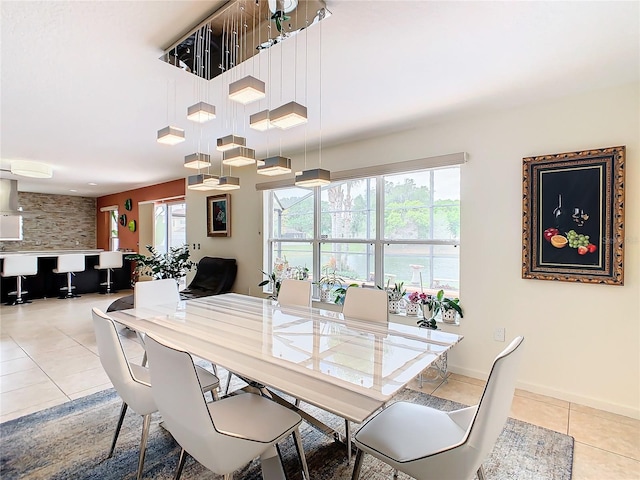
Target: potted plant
340, 292
275, 284
414, 301
173, 264
395, 295
280, 271
330, 284
449, 309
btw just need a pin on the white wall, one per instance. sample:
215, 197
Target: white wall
582, 341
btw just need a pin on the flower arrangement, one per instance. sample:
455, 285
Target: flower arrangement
420, 298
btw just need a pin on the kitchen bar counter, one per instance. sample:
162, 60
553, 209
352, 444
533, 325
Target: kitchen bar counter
50, 253
47, 284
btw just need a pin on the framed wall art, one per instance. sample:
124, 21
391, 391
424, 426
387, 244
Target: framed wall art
219, 215
573, 216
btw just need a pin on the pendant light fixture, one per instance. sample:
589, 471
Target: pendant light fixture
198, 182
260, 121
246, 90
316, 177
313, 178
171, 135
229, 142
197, 160
239, 157
228, 183
201, 112
288, 116
277, 165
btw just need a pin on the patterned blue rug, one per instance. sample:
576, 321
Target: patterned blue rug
71, 441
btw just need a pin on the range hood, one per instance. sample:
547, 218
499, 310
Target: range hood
9, 197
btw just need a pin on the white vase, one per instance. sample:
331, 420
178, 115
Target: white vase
394, 306
449, 316
325, 296
427, 313
412, 308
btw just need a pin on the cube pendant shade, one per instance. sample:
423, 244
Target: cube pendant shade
228, 183
197, 160
313, 178
170, 135
201, 112
246, 90
288, 115
197, 182
260, 121
239, 157
275, 166
229, 142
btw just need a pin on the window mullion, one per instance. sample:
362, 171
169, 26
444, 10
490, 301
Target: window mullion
379, 247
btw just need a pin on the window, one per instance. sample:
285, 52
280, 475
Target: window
114, 241
378, 230
170, 226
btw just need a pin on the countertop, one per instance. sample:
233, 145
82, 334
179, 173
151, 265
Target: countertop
50, 253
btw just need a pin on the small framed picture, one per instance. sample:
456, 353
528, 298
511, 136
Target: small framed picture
573, 216
219, 215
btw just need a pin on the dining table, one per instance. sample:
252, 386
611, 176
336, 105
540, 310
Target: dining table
346, 366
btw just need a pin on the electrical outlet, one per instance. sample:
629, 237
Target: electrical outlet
499, 334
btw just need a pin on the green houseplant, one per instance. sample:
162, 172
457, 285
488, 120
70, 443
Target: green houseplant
173, 264
329, 284
395, 295
449, 308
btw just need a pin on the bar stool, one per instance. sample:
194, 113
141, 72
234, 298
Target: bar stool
107, 261
19, 266
69, 264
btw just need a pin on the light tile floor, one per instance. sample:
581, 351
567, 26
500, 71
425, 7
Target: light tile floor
48, 356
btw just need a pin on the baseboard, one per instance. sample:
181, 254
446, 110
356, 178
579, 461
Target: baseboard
559, 394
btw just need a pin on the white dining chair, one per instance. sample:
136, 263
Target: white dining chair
427, 443
131, 381
224, 435
155, 292
295, 293
370, 304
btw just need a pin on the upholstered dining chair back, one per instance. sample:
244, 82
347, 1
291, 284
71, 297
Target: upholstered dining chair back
223, 435
156, 292
427, 443
135, 392
130, 381
370, 304
495, 404
295, 293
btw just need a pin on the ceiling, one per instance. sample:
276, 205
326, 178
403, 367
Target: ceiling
83, 88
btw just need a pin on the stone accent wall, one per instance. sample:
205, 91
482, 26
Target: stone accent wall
57, 222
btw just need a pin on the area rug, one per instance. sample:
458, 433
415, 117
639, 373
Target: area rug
71, 441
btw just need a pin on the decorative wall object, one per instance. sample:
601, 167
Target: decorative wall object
128, 204
123, 219
132, 225
219, 215
573, 216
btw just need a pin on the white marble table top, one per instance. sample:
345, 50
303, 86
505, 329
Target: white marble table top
345, 366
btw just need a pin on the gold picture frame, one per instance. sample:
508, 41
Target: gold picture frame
573, 216
219, 215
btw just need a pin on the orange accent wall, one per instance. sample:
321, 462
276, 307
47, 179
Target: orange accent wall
129, 239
